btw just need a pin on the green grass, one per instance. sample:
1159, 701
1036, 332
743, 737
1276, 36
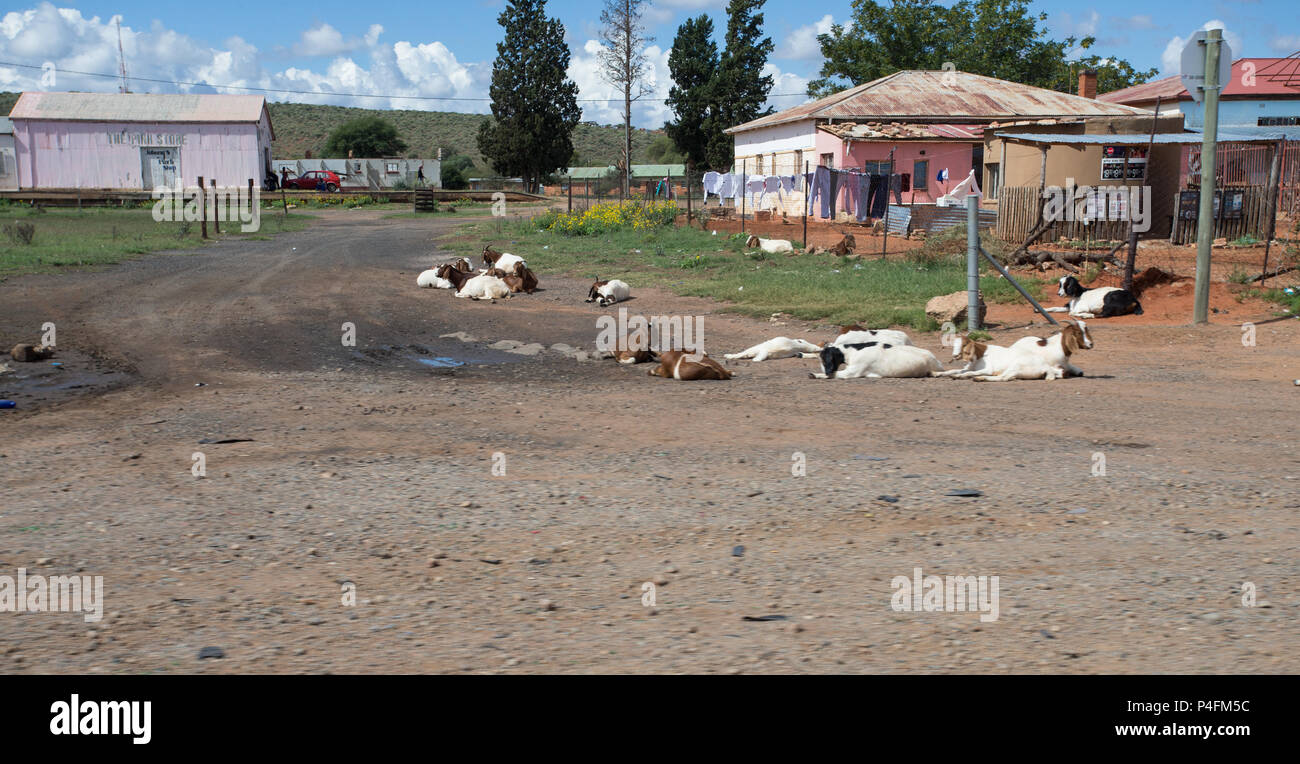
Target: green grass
1289, 302
691, 262
66, 238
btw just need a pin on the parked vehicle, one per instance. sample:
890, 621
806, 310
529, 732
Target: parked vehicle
315, 180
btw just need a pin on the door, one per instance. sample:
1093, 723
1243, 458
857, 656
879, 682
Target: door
160, 166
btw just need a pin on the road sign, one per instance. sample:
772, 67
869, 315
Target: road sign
1193, 65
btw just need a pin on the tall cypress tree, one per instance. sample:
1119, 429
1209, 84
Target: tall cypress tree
740, 89
534, 104
693, 64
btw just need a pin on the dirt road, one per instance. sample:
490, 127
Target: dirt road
371, 468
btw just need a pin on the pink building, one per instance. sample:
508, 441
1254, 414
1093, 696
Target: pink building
930, 121
139, 141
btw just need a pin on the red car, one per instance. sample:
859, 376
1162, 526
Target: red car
315, 180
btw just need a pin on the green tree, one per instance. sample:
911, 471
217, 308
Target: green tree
995, 38
662, 150
693, 65
534, 104
453, 179
365, 137
740, 88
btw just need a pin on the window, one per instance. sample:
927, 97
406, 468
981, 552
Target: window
391, 168
758, 164
991, 180
920, 173
876, 168
828, 160
1278, 121
798, 161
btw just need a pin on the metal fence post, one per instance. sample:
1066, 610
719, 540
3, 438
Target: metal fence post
972, 262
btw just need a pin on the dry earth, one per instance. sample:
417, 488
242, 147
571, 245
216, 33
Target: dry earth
368, 467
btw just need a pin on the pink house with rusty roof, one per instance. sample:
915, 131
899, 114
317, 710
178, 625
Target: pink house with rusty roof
930, 121
138, 140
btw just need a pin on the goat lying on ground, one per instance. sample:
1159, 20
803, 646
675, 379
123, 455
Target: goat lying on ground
608, 292
770, 246
1038, 358
454, 276
876, 360
981, 358
483, 287
521, 279
430, 278
1102, 302
503, 260
853, 334
681, 365
777, 347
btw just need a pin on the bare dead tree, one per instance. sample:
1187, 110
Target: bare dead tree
623, 63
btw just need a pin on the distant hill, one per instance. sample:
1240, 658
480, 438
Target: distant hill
300, 128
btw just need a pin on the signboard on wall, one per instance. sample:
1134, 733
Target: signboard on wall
1113, 160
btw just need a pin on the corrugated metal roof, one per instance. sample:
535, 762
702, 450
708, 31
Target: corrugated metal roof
1099, 139
139, 107
881, 131
639, 171
1268, 77
948, 96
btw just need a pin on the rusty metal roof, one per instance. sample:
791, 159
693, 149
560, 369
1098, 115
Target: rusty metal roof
942, 96
891, 131
1267, 77
138, 107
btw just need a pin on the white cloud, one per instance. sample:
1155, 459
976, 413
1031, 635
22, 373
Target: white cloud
1083, 26
1285, 43
1170, 60
353, 64
802, 44
324, 40
358, 64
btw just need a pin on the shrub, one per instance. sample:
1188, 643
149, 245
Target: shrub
20, 233
609, 217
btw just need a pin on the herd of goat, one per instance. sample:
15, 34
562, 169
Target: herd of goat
855, 352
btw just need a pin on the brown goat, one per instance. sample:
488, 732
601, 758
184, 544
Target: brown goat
456, 276
678, 364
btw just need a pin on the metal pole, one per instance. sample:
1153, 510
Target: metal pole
203, 206
806, 204
1205, 219
1130, 262
688, 194
972, 262
1019, 288
570, 194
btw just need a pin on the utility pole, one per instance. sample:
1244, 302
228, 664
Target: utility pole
1205, 218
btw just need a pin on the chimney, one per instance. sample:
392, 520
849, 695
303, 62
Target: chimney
1088, 83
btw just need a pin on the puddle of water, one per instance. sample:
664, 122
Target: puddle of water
440, 362
452, 355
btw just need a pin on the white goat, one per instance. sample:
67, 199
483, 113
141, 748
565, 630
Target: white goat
876, 360
484, 287
854, 334
1037, 358
429, 279
608, 292
777, 347
770, 246
981, 358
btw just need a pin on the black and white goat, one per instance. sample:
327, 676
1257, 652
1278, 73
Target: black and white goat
876, 360
1102, 302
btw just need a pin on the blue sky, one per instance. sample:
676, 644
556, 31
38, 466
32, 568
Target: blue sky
403, 54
